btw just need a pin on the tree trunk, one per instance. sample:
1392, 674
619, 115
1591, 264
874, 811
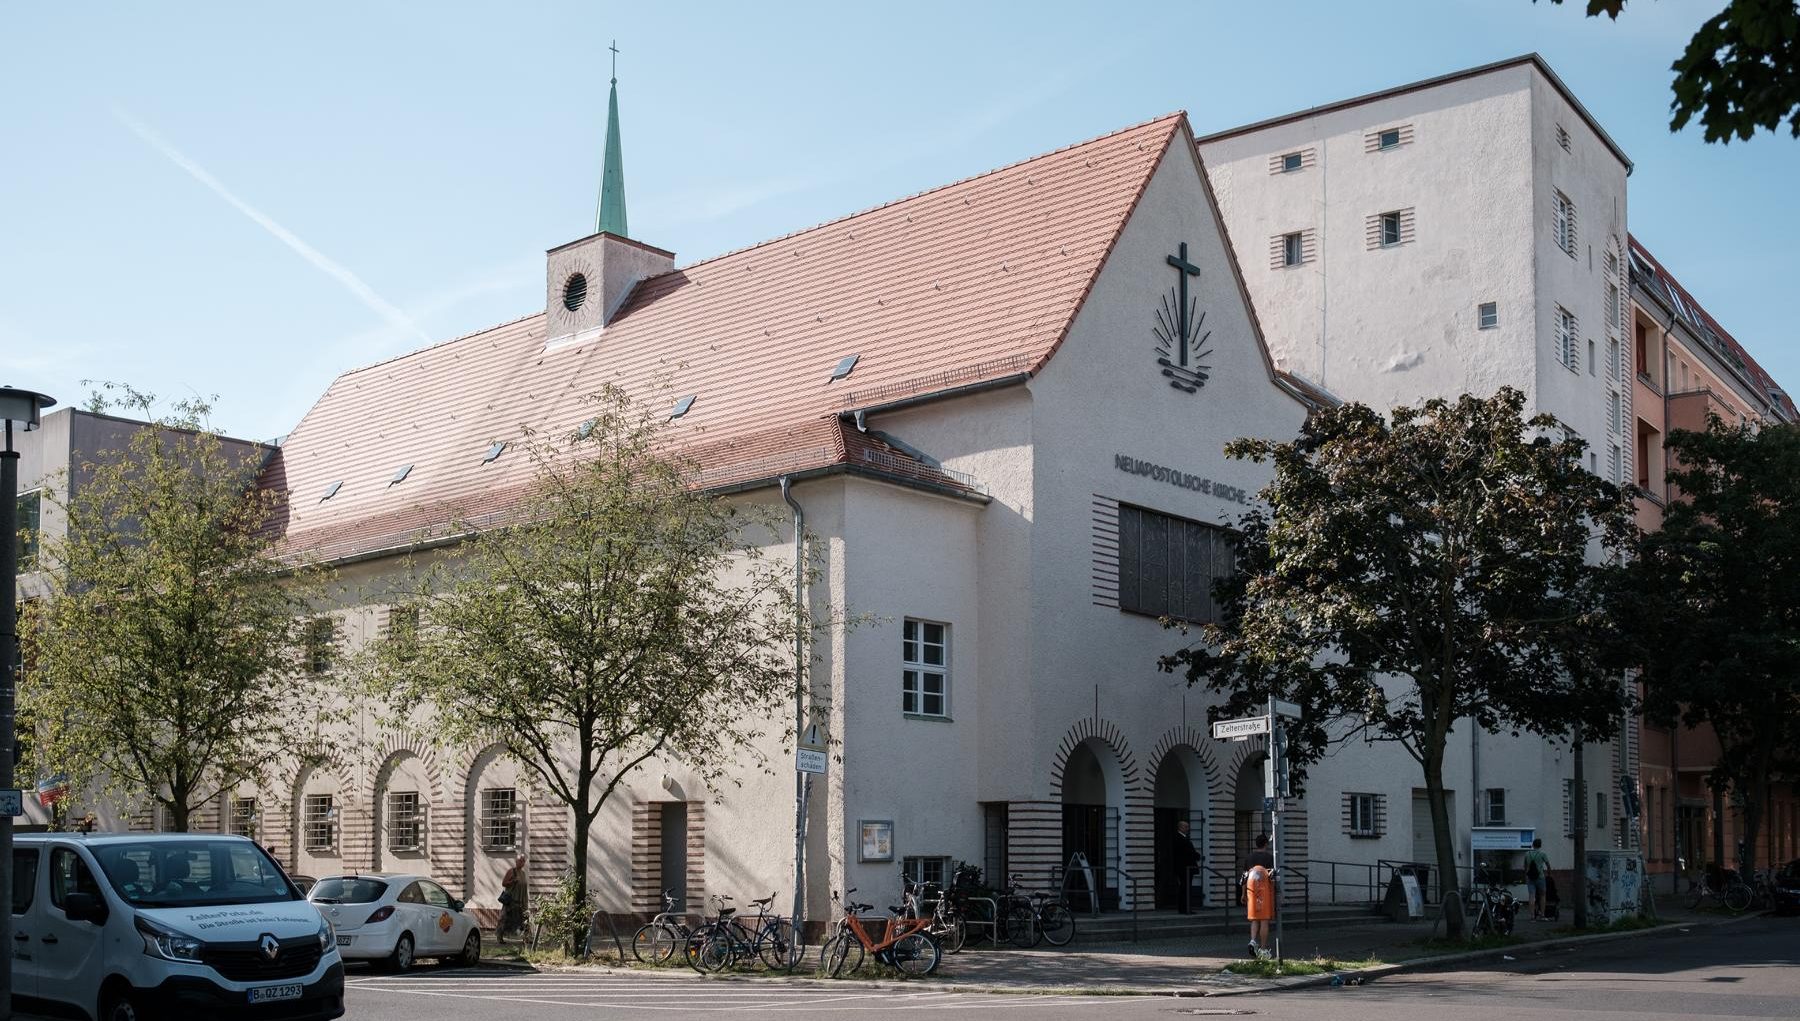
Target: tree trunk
578, 874
1719, 861
1578, 820
1449, 893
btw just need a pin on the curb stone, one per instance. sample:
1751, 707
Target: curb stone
1428, 963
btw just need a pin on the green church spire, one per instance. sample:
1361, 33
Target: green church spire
612, 176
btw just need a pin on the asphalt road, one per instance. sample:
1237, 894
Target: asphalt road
1746, 970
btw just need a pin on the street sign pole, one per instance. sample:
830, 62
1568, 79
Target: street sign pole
1277, 749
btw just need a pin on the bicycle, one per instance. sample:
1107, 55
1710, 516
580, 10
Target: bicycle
726, 940
905, 946
1018, 921
656, 940
1491, 908
947, 924
1730, 891
1054, 919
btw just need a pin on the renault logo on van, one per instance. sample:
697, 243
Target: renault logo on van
271, 947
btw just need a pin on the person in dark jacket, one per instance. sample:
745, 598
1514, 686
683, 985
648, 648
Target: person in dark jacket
1184, 863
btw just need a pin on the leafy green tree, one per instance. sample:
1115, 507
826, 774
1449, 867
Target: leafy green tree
154, 661
1715, 617
623, 616
1740, 71
1416, 572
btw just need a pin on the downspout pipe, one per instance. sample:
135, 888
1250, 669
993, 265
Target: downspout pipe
801, 784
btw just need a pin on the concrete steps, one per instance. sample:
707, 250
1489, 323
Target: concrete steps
1115, 927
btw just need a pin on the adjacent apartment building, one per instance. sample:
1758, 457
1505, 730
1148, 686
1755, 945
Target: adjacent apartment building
1468, 232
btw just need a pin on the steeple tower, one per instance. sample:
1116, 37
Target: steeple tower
611, 217
588, 280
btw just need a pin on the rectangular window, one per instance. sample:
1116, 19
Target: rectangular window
1362, 815
499, 818
1487, 315
405, 822
30, 508
1565, 224
24, 878
1612, 359
1290, 162
1615, 411
1496, 806
1167, 565
1385, 230
925, 668
1290, 250
243, 817
1614, 467
318, 822
320, 633
1593, 359
931, 869
1599, 810
1566, 328
1612, 306
1388, 139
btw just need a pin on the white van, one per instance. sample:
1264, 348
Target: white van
129, 926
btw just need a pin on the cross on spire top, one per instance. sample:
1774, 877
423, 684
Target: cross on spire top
615, 61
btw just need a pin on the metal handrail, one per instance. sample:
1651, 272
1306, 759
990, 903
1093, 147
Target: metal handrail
1061, 885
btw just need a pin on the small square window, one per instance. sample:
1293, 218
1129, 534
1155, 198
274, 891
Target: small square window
1496, 806
1487, 315
1389, 139
1390, 229
1364, 818
1290, 163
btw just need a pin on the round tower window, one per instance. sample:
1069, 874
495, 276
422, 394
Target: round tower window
574, 291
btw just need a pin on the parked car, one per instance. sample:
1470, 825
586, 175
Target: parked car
303, 883
125, 926
1787, 888
393, 920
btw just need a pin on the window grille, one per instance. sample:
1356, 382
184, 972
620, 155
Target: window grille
319, 822
499, 818
405, 821
243, 817
1167, 565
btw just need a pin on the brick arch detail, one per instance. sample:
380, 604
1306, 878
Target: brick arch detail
1135, 857
394, 748
1295, 845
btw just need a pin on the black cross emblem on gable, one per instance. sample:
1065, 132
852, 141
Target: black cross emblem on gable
1183, 310
1177, 329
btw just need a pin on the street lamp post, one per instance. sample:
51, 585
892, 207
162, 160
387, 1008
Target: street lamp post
22, 407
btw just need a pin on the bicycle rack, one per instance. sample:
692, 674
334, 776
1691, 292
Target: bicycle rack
587, 945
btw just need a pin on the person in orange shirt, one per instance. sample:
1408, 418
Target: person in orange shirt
1259, 893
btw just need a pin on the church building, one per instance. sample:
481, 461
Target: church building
1000, 405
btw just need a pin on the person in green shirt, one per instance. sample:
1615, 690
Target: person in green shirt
1537, 873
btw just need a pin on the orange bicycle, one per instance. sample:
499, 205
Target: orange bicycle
904, 945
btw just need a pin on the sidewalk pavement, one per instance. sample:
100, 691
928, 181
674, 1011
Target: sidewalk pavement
1194, 966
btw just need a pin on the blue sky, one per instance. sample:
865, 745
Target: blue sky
245, 199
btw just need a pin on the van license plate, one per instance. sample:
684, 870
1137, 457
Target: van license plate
269, 994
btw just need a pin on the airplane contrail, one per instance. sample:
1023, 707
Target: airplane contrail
319, 260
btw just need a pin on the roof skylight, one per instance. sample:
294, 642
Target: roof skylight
400, 474
681, 407
844, 366
331, 491
493, 452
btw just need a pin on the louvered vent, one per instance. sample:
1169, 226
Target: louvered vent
575, 291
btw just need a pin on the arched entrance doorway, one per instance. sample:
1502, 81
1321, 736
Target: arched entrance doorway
1250, 818
1180, 796
1093, 794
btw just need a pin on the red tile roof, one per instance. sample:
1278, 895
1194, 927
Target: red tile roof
967, 283
1757, 375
